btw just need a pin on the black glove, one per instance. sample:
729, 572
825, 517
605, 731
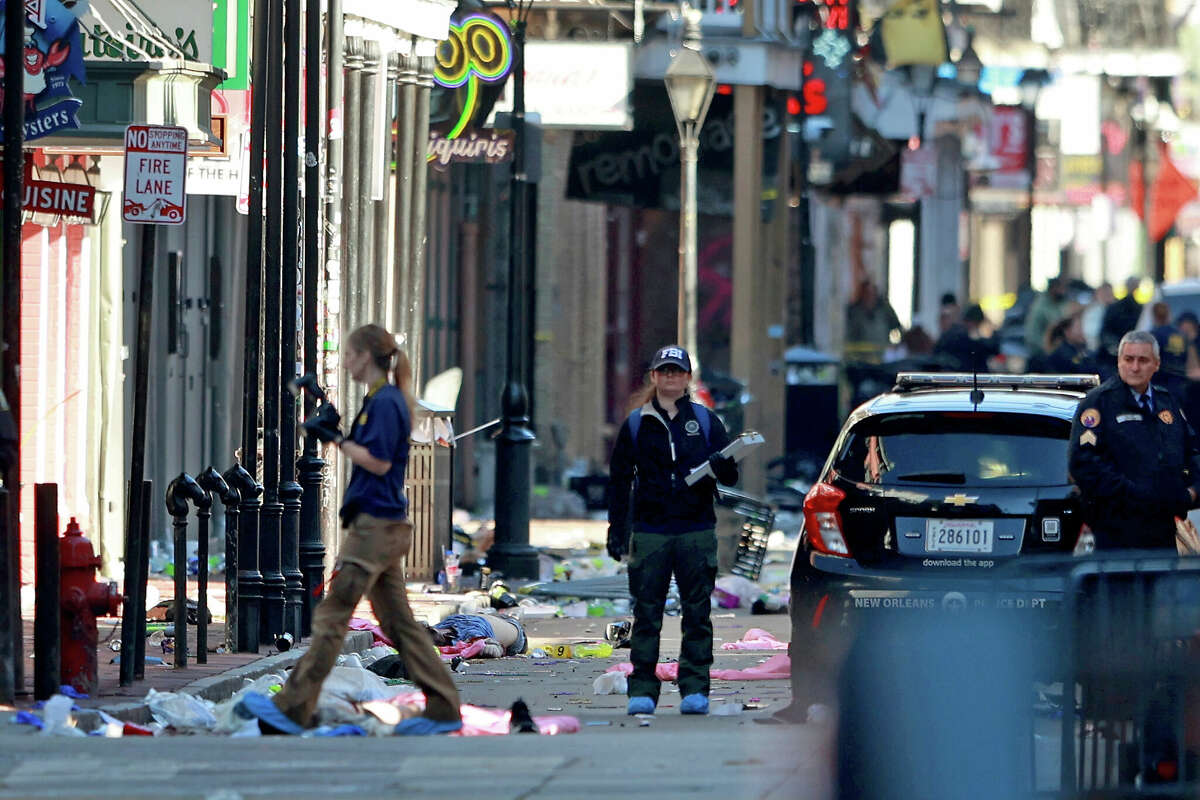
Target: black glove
724, 468
324, 425
618, 542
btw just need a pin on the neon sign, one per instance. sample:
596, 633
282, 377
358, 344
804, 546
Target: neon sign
478, 50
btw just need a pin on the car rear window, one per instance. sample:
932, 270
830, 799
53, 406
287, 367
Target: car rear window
957, 449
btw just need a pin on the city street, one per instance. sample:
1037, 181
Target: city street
611, 756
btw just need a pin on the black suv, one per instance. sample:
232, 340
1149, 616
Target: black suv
932, 488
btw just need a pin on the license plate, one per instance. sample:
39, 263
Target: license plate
958, 536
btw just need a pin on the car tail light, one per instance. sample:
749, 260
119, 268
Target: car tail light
1167, 770
822, 521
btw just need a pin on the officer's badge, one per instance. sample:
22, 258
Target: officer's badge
692, 427
1090, 418
362, 418
1166, 416
1087, 437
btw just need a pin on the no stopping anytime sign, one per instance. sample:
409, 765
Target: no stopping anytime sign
155, 169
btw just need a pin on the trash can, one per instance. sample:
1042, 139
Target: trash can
428, 485
811, 410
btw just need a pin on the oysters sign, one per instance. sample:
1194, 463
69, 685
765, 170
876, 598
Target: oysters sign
52, 54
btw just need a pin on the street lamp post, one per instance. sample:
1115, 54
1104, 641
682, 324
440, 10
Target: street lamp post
511, 554
1030, 85
690, 86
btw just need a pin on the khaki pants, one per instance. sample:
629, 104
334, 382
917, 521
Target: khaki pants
370, 565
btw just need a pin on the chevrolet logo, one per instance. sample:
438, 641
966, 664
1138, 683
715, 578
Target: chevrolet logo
960, 499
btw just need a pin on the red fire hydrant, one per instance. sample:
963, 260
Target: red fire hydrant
83, 599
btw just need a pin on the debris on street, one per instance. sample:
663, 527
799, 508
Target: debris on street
777, 667
756, 639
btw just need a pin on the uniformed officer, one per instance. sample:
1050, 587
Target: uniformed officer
1134, 456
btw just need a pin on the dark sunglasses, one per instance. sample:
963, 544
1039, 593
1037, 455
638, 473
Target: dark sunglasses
671, 369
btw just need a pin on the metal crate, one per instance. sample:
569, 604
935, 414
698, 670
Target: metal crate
759, 519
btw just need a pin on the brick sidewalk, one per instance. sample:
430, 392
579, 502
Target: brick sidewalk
162, 678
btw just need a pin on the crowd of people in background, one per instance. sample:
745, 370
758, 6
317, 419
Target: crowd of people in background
1067, 329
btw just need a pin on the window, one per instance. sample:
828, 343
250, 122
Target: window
957, 449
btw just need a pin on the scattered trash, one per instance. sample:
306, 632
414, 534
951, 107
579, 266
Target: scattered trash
598, 723
181, 711
28, 718
644, 720
165, 610
501, 597
284, 642
730, 708
618, 633
734, 591
532, 609
71, 691
520, 719
777, 667
57, 719
772, 602
611, 683
756, 639
576, 610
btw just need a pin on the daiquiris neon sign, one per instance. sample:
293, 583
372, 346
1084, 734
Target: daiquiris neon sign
478, 50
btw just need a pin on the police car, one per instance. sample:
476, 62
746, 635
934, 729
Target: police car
932, 492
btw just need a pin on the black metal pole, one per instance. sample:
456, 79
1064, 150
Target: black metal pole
47, 619
137, 535
7, 686
248, 490
249, 579
311, 466
203, 514
143, 576
274, 584
12, 669
511, 553
231, 559
180, 557
129, 618
289, 490
214, 485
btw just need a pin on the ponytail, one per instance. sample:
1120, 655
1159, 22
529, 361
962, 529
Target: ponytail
385, 351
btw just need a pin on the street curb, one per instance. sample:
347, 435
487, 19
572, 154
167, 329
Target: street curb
217, 688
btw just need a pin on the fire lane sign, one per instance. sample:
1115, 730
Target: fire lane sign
155, 170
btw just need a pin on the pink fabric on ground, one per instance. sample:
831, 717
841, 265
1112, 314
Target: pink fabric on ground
756, 639
775, 668
360, 624
462, 649
492, 721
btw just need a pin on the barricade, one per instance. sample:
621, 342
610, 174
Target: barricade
1132, 668
429, 485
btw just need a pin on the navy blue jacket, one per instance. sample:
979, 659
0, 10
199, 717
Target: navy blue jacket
651, 472
1132, 468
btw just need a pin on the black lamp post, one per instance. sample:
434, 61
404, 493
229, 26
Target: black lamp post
311, 466
511, 553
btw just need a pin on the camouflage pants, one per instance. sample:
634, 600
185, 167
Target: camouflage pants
692, 557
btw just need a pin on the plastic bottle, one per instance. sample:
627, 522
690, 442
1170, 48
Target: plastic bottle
592, 650
600, 610
452, 571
